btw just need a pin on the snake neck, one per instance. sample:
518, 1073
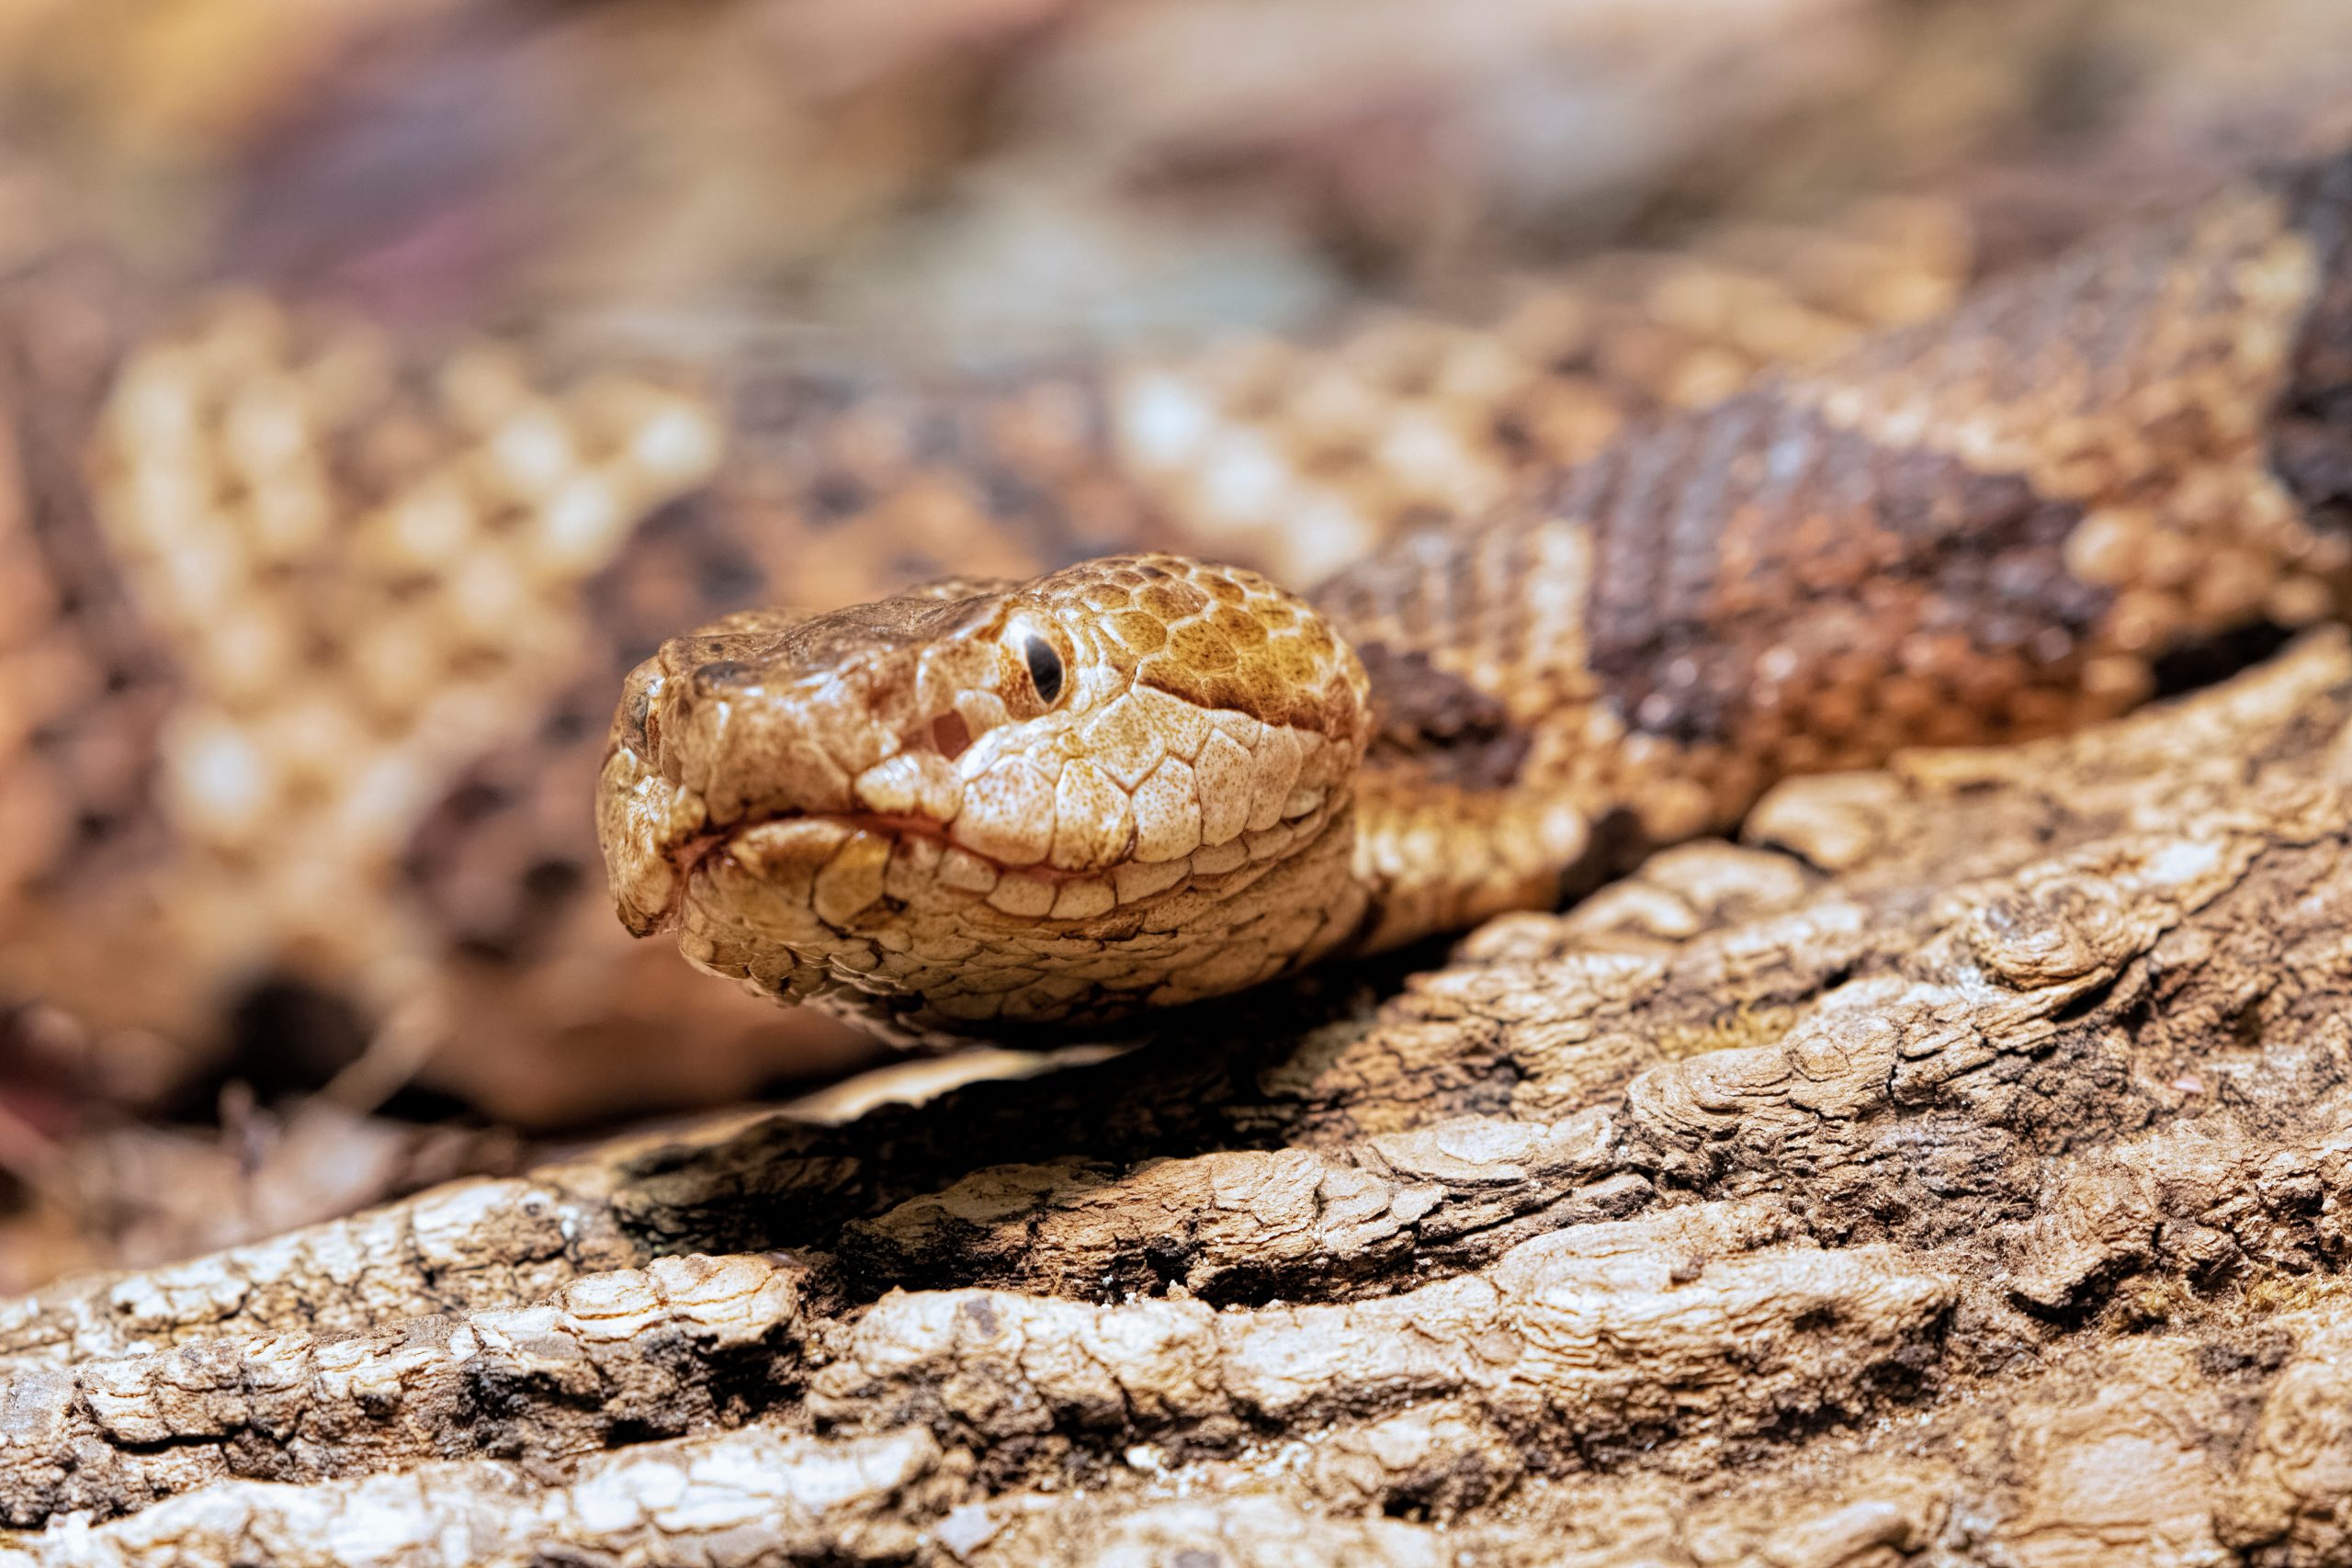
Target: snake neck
1489, 763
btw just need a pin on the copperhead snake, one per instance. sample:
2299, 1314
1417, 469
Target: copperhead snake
315, 630
1144, 779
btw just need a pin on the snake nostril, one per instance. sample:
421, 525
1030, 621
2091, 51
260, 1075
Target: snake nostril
950, 735
643, 731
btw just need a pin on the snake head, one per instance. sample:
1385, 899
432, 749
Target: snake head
1123, 783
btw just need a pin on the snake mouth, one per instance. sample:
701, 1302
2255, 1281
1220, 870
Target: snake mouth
892, 921
692, 853
827, 872
857, 872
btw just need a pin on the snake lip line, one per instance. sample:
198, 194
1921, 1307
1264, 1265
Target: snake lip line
694, 850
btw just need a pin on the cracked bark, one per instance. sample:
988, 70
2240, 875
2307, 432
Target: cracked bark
1954, 1170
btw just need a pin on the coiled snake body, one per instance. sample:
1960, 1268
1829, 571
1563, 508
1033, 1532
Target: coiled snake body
1144, 779
314, 631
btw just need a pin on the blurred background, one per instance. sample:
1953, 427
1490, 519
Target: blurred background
374, 382
1022, 170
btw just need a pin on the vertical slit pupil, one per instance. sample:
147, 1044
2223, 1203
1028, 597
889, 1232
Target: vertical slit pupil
1044, 667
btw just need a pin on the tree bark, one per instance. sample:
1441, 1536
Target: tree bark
1952, 1171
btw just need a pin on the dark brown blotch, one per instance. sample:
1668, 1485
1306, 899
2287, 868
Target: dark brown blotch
1455, 731
1703, 565
2311, 444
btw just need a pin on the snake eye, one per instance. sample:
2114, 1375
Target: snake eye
1044, 667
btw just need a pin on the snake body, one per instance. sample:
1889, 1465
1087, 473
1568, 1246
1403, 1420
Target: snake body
1146, 779
313, 626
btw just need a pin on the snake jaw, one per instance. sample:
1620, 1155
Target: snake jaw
1122, 784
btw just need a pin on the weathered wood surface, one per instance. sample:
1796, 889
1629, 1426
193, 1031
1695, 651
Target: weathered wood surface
1951, 1172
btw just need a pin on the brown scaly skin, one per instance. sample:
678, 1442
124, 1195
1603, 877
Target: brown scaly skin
1990, 526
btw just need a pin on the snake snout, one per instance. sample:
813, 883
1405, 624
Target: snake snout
763, 717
